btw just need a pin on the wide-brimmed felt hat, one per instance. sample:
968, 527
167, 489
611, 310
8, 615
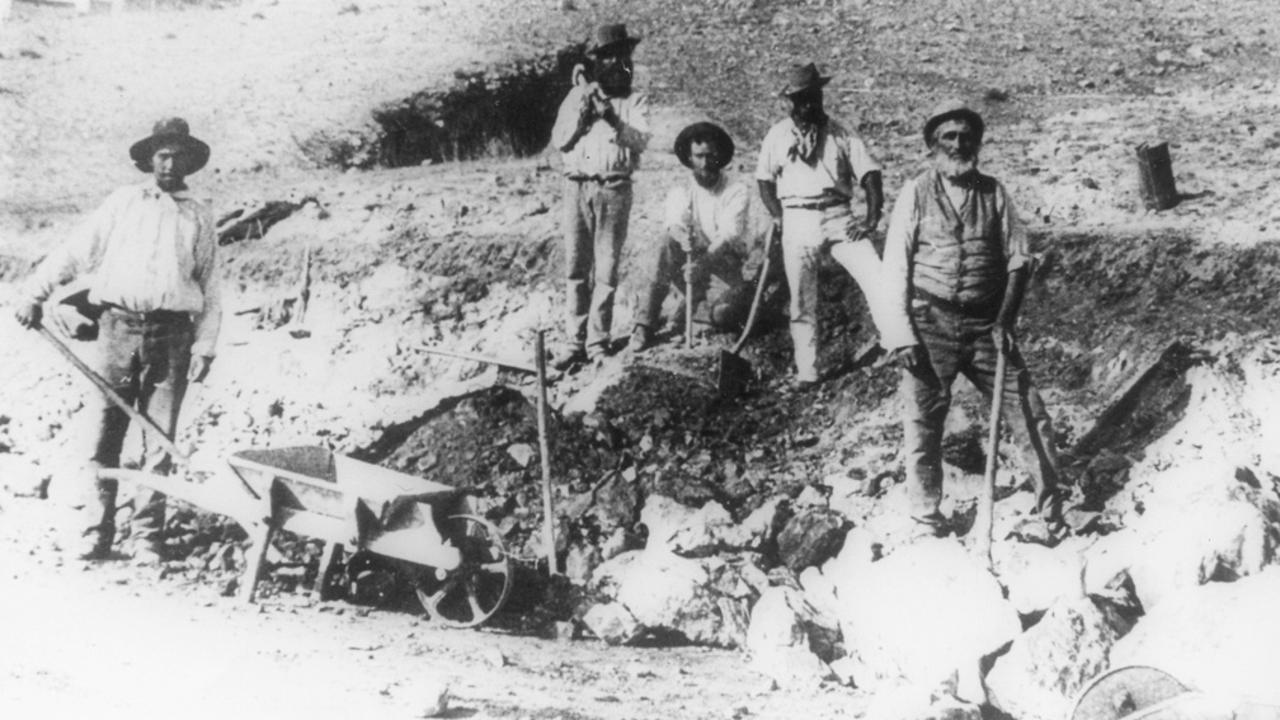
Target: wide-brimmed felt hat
170, 131
803, 77
611, 38
704, 131
952, 109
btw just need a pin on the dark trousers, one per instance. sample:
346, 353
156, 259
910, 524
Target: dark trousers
595, 227
665, 268
956, 343
144, 357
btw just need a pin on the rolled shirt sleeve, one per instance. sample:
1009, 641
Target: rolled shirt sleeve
769, 163
860, 160
78, 255
1017, 248
731, 217
564, 132
677, 213
633, 127
208, 321
899, 247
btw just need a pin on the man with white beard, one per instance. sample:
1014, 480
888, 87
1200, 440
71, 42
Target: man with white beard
956, 266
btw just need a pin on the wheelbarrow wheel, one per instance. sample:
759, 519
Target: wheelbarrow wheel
472, 592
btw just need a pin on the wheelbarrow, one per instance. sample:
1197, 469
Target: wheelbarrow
455, 559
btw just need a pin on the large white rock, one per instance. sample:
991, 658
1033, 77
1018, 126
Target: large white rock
1036, 576
1049, 664
1221, 638
927, 612
791, 667
612, 623
912, 702
704, 531
775, 624
1171, 548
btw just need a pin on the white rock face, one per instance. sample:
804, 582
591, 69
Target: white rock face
1048, 665
791, 667
701, 532
1036, 576
612, 623
1220, 638
774, 624
927, 612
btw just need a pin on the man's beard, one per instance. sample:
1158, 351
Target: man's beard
955, 166
616, 81
810, 121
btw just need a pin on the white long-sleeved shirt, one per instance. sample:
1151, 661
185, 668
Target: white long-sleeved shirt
603, 151
715, 216
842, 163
144, 249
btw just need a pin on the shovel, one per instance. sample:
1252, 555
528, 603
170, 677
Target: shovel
733, 372
688, 300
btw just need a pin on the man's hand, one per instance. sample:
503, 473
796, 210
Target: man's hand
199, 368
864, 232
29, 315
907, 358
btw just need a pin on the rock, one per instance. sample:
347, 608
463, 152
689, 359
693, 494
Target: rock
1036, 577
811, 538
612, 623
435, 697
563, 631
928, 612
671, 593
688, 532
784, 618
522, 453
1048, 665
580, 562
1173, 548
1220, 638
810, 497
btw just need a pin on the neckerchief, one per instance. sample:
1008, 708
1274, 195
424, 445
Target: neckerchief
806, 141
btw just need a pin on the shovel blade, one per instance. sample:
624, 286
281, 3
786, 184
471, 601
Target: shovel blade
732, 375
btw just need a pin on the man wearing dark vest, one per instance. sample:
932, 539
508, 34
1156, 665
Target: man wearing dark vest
956, 265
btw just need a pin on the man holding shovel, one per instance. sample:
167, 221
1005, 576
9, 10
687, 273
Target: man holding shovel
809, 168
148, 255
956, 265
705, 228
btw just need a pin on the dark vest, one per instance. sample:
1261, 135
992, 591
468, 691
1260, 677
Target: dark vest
959, 256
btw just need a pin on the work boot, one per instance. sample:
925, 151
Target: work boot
641, 339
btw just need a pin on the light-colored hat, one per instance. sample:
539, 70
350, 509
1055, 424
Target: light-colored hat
952, 109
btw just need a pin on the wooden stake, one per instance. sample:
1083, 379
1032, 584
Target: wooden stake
985, 522
544, 449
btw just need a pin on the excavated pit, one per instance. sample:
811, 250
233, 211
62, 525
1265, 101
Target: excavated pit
505, 110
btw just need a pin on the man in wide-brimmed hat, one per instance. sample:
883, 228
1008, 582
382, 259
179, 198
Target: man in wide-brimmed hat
810, 166
148, 256
601, 130
956, 265
704, 227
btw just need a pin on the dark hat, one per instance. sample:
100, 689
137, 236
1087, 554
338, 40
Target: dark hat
950, 110
170, 130
803, 77
704, 132
610, 38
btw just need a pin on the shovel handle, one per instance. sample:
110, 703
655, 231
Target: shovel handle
112, 395
987, 511
755, 299
688, 299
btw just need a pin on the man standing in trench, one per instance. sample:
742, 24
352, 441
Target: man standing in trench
148, 254
956, 265
808, 168
601, 130
705, 225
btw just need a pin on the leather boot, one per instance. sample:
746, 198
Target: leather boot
101, 534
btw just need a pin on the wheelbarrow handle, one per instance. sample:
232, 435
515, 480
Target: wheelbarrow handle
112, 395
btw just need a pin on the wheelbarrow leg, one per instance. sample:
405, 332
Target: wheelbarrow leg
260, 536
331, 550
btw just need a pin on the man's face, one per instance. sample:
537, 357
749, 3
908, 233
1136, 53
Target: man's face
955, 147
705, 162
614, 71
806, 106
169, 167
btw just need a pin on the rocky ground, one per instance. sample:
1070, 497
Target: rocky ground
738, 557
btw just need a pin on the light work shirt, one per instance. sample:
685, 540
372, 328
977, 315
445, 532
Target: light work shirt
144, 249
841, 164
603, 152
715, 216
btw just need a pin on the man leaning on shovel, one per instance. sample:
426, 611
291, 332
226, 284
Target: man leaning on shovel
956, 265
148, 255
705, 228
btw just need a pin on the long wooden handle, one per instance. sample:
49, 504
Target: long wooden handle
688, 299
112, 395
987, 512
544, 449
755, 300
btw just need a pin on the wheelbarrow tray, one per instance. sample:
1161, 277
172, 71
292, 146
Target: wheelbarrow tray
321, 494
